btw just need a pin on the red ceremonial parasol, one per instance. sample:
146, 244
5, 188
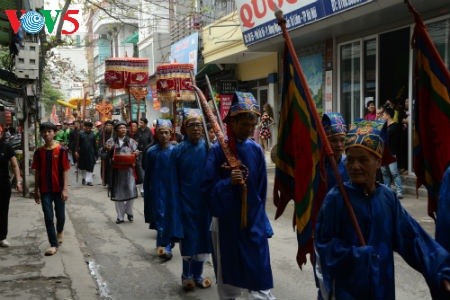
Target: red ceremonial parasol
174, 86
174, 81
122, 72
129, 73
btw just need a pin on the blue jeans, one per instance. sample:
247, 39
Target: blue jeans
47, 200
389, 170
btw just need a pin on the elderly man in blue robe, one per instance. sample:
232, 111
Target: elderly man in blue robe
241, 249
190, 158
161, 209
352, 271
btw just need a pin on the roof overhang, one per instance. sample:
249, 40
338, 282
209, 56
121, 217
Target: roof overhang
9, 94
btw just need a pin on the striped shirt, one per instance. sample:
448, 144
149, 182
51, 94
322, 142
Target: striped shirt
51, 165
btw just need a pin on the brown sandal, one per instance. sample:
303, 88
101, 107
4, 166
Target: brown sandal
203, 283
188, 284
160, 251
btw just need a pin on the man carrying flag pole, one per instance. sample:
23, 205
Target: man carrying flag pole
432, 122
352, 271
302, 146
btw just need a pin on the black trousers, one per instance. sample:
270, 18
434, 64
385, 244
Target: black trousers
5, 197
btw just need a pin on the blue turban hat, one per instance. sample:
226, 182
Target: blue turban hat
333, 123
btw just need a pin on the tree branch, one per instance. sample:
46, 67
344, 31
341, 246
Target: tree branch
61, 21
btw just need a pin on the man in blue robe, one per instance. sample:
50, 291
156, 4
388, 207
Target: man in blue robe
241, 249
442, 215
335, 129
190, 158
159, 210
352, 271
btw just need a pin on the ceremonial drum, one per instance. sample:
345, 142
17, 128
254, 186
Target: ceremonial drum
123, 161
174, 81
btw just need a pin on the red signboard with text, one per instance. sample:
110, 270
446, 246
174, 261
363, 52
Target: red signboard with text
225, 103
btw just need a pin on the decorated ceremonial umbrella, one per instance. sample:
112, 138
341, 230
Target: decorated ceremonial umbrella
173, 82
67, 104
68, 109
78, 102
129, 73
173, 85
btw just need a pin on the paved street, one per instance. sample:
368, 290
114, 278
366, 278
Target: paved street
102, 260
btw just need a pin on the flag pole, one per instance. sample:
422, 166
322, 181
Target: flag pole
233, 161
320, 129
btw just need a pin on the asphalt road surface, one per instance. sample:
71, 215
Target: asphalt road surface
103, 260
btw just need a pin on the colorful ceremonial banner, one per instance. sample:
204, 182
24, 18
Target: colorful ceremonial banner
122, 72
54, 116
432, 114
299, 173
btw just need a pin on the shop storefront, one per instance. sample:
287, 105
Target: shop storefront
379, 67
350, 55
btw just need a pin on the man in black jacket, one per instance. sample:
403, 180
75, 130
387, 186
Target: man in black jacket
144, 138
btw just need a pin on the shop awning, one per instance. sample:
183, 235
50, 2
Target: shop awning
132, 39
8, 76
9, 94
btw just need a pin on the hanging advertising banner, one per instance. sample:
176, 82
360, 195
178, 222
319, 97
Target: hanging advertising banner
185, 51
258, 21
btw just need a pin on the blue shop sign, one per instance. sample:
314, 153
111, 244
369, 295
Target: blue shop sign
258, 21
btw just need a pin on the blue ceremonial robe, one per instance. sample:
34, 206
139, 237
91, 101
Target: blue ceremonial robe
443, 212
245, 258
354, 272
190, 162
331, 182
331, 179
161, 208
